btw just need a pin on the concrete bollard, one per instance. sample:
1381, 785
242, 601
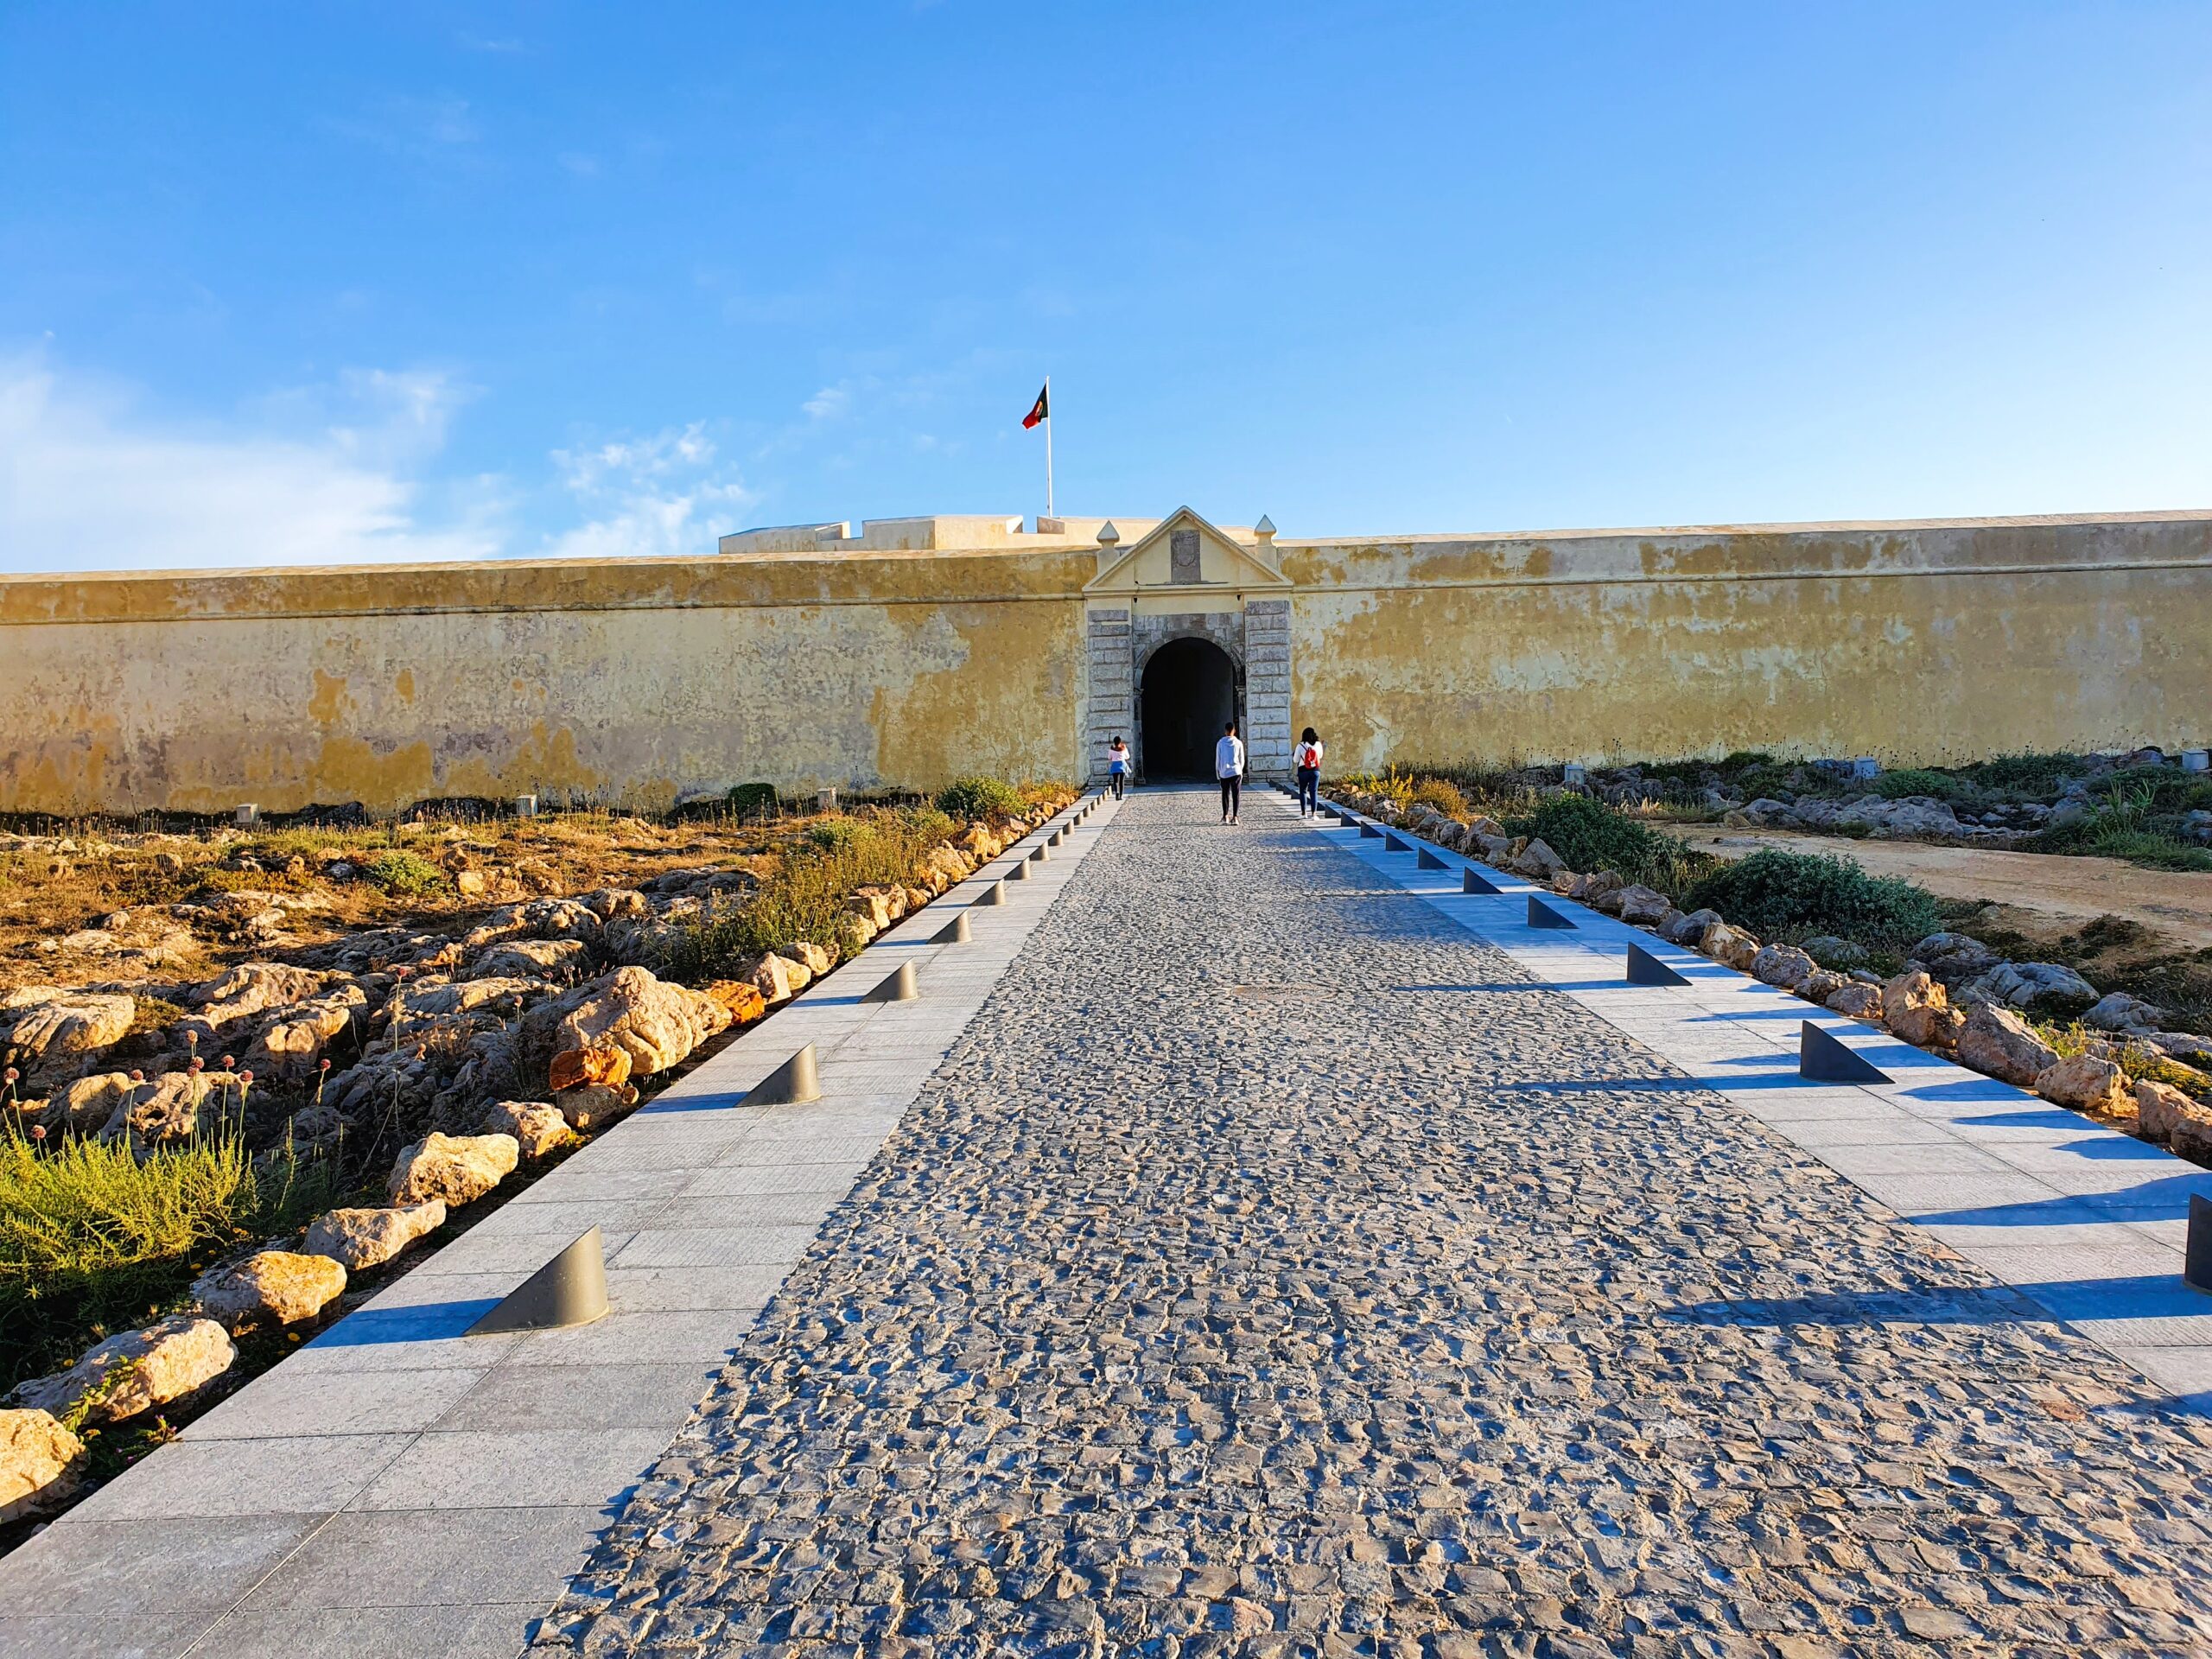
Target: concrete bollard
1396, 844
955, 932
994, 894
1645, 969
248, 814
825, 800
2196, 1257
525, 806
795, 1082
1542, 915
899, 987
1821, 1059
1429, 860
570, 1289
1018, 872
1368, 831
1474, 881
1040, 854
2196, 760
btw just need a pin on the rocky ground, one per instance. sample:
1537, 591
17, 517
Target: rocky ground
1272, 1269
412, 1015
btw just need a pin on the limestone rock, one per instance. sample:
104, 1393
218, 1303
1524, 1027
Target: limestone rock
1998, 1042
2039, 987
1589, 889
287, 1049
532, 959
54, 1037
2165, 1113
85, 1106
1729, 945
1820, 985
778, 979
1917, 1009
817, 959
1954, 956
1688, 929
1832, 952
360, 1239
1537, 859
537, 1128
166, 1109
40, 1463
136, 1372
593, 1106
251, 987
269, 1287
1784, 965
2088, 1084
1644, 907
656, 1024
1859, 1002
455, 1168
577, 1068
740, 998
2117, 1011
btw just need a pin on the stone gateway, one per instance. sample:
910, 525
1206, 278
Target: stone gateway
915, 650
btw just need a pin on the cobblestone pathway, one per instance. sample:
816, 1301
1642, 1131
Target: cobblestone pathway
1272, 1269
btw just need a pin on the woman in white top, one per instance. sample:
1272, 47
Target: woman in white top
1307, 755
1228, 768
1117, 764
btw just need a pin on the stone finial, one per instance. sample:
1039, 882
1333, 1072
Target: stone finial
1108, 536
1265, 530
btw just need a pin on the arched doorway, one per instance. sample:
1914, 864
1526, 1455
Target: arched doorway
1190, 691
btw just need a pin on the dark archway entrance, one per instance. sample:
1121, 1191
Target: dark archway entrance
1190, 689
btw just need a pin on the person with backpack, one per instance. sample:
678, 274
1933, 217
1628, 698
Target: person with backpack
1228, 768
1307, 758
1117, 764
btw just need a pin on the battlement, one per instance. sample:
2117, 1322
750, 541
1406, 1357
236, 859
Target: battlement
933, 532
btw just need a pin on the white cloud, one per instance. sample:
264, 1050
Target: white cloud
830, 403
90, 482
647, 497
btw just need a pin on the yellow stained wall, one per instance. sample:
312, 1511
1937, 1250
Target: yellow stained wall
198, 693
633, 681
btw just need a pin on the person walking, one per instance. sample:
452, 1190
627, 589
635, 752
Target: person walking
1229, 766
1308, 758
1117, 764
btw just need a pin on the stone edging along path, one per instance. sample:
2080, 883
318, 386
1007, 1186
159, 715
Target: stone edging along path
2087, 1223
397, 1487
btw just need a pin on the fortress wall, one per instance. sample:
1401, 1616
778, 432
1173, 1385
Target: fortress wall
615, 682
633, 681
1915, 643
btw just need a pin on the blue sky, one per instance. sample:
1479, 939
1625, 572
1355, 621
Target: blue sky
302, 282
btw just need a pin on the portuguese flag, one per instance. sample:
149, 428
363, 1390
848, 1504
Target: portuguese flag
1040, 410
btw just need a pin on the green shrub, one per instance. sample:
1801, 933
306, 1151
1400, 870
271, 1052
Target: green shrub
403, 874
1914, 780
834, 834
2025, 774
1591, 836
1773, 892
752, 800
92, 1241
974, 800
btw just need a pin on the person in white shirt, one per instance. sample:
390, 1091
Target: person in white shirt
1117, 764
1229, 766
1307, 757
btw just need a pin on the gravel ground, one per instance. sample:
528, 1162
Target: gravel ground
1273, 1268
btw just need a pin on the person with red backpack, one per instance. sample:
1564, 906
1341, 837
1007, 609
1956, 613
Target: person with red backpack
1307, 757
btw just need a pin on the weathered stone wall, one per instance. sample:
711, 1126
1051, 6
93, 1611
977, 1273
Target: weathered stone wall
635, 681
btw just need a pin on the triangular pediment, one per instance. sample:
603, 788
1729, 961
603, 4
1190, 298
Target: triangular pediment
1184, 551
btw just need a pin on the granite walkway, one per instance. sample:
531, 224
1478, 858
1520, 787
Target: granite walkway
1274, 1266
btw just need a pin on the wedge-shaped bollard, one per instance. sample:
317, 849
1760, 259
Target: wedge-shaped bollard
1368, 831
1018, 872
2196, 1257
955, 932
1821, 1059
900, 987
1542, 915
1645, 969
797, 1080
1039, 854
1429, 860
1396, 844
1476, 881
570, 1289
994, 894
1056, 838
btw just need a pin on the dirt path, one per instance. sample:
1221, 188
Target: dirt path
2067, 891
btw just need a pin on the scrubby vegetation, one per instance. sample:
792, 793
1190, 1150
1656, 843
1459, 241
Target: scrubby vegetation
979, 799
1591, 836
1775, 892
803, 896
94, 1240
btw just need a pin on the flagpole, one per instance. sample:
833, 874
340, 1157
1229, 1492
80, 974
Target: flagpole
1049, 513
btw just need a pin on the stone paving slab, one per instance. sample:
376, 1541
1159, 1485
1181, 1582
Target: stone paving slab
397, 1487
2085, 1220
1275, 1266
